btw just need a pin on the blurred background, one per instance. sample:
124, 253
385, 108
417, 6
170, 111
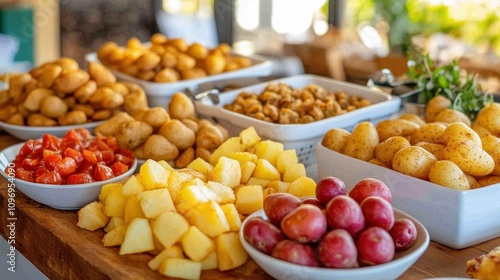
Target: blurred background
344, 39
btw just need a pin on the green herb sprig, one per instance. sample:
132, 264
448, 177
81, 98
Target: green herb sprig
450, 81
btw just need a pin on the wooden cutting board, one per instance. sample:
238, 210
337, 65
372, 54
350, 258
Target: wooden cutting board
50, 239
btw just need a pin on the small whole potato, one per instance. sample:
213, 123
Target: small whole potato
132, 134
178, 134
158, 148
413, 118
148, 61
488, 180
203, 153
112, 125
106, 98
50, 72
34, 99
413, 161
100, 74
446, 173
496, 159
136, 100
16, 119
395, 127
67, 64
335, 139
72, 117
197, 51
362, 142
450, 116
38, 119
386, 150
434, 106
457, 132
83, 93
6, 111
191, 124
181, 107
121, 88
209, 137
481, 130
215, 64
167, 75
490, 143
436, 149
489, 118
103, 114
16, 87
53, 106
185, 62
86, 108
473, 160
71, 80
193, 73
429, 132
185, 158
155, 117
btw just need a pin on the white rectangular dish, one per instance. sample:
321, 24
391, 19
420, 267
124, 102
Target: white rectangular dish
454, 218
301, 137
159, 94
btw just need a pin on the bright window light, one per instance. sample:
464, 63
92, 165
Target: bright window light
294, 16
247, 14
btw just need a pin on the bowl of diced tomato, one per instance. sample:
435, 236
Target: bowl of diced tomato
68, 172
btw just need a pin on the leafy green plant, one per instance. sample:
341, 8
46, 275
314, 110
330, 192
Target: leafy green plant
449, 81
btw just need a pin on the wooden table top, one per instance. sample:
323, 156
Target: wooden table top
50, 239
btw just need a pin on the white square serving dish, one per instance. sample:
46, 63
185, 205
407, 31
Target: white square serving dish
159, 94
301, 137
454, 218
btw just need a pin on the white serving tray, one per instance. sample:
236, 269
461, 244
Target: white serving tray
301, 137
454, 218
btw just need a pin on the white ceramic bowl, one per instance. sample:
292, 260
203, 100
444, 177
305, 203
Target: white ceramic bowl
64, 197
392, 270
25, 132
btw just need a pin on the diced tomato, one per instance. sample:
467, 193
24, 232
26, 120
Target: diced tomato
124, 159
79, 178
52, 177
78, 146
85, 167
74, 154
102, 172
112, 143
125, 152
25, 175
66, 166
50, 142
51, 159
31, 163
30, 148
83, 133
72, 136
89, 156
119, 168
108, 157
40, 171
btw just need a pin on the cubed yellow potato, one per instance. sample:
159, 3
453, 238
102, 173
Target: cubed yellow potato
154, 175
302, 186
166, 165
113, 222
105, 190
114, 202
249, 199
265, 170
269, 150
294, 171
132, 209
285, 158
267, 191
138, 238
230, 252
249, 137
169, 227
201, 166
225, 193
175, 182
210, 262
132, 186
92, 216
278, 186
209, 218
114, 237
193, 195
258, 181
243, 157
193, 173
247, 169
227, 172
196, 245
180, 268
229, 146
174, 251
232, 216
155, 202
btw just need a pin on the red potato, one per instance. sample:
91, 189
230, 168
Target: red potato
306, 223
404, 233
368, 187
378, 212
337, 250
329, 187
262, 235
295, 252
375, 246
344, 212
314, 202
277, 205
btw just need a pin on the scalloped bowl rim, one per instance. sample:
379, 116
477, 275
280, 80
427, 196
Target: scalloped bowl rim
401, 259
8, 154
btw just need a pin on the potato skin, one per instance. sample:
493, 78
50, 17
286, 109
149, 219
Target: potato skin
385, 150
395, 127
457, 132
489, 118
133, 133
446, 173
414, 161
436, 149
434, 106
430, 132
158, 148
472, 159
361, 144
335, 139
450, 116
